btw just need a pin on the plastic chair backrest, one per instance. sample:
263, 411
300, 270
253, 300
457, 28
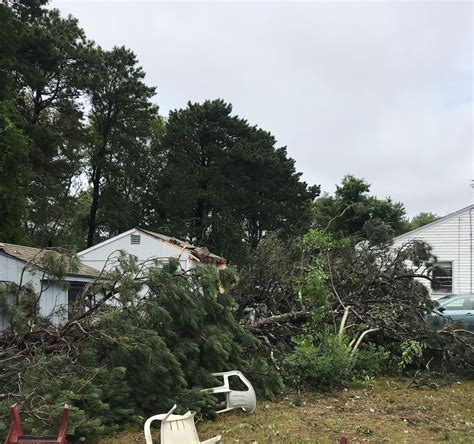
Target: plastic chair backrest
243, 399
180, 430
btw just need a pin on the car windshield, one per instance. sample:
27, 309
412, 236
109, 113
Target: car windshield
454, 302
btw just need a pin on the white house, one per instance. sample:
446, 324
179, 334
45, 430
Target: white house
25, 266
451, 240
147, 246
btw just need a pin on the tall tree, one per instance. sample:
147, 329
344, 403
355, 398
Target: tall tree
14, 175
225, 183
48, 75
127, 195
120, 121
14, 164
270, 191
352, 207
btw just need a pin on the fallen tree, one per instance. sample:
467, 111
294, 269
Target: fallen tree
143, 341
359, 288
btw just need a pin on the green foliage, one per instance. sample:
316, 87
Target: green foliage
442, 353
135, 356
373, 278
226, 181
266, 380
97, 396
48, 77
321, 362
73, 111
313, 285
421, 219
351, 208
127, 198
326, 360
370, 361
121, 123
14, 174
268, 277
412, 351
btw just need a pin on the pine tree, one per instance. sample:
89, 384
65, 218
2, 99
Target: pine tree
225, 184
120, 125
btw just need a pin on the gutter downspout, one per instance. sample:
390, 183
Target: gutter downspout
458, 266
470, 247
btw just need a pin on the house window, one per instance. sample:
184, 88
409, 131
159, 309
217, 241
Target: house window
74, 300
135, 239
442, 278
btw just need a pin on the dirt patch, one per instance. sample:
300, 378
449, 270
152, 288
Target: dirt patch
390, 412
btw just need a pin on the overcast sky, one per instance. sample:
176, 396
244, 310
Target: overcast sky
381, 90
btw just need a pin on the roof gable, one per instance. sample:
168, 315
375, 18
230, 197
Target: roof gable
198, 253
436, 222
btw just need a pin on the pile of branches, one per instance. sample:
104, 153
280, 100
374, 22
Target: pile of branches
368, 286
138, 342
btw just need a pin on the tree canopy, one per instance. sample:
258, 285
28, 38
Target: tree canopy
352, 207
88, 156
225, 183
422, 219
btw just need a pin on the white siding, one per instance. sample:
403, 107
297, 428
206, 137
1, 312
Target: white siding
54, 295
150, 248
451, 240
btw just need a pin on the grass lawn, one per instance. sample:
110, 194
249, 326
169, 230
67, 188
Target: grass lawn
390, 412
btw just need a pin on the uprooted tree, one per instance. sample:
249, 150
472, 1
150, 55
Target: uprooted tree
140, 340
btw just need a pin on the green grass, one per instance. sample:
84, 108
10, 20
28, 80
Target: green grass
389, 412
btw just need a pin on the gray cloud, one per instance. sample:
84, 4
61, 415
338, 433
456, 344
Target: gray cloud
379, 90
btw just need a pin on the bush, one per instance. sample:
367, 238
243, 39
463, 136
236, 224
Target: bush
327, 361
321, 363
371, 360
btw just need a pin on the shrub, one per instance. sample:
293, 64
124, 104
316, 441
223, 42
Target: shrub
327, 361
371, 360
319, 362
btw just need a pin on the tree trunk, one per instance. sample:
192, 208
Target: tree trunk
96, 176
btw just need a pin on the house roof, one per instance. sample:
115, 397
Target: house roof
436, 222
199, 253
36, 257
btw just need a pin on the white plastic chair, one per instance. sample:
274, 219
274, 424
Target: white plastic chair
236, 399
176, 429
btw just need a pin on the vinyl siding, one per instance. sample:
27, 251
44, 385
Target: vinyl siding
451, 240
54, 295
105, 257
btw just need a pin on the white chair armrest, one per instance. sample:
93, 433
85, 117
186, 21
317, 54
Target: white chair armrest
221, 389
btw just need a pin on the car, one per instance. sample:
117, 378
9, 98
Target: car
454, 308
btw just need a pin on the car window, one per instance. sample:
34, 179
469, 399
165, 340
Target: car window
469, 305
455, 304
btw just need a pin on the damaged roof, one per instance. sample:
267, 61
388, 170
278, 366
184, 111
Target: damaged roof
36, 256
200, 253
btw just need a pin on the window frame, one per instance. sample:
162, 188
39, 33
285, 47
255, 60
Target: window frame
438, 289
74, 303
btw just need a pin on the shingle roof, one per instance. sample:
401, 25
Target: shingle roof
36, 257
